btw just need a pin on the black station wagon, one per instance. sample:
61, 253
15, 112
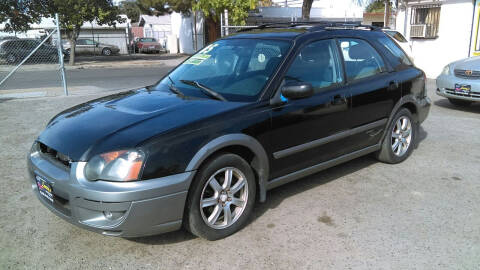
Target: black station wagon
245, 114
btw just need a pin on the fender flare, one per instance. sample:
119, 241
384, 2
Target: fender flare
402, 101
261, 164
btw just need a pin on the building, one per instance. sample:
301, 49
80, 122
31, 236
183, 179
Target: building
114, 35
440, 32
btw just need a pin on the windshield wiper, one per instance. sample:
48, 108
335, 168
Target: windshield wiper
205, 89
173, 88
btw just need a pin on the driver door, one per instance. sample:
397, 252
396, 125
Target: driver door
304, 130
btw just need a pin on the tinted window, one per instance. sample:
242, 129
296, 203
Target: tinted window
148, 40
393, 48
317, 63
361, 59
82, 42
89, 42
238, 69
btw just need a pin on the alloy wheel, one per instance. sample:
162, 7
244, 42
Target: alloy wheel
401, 136
224, 198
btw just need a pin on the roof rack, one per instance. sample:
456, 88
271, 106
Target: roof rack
315, 25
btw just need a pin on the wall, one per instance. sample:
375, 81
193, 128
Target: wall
453, 40
182, 29
117, 37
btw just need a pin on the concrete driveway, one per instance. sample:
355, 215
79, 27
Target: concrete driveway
421, 214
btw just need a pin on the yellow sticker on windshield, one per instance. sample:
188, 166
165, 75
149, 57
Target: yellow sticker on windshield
197, 59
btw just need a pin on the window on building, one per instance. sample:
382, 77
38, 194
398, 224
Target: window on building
425, 21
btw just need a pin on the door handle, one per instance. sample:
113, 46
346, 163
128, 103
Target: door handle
393, 85
339, 100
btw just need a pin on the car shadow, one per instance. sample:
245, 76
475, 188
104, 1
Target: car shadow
444, 103
276, 196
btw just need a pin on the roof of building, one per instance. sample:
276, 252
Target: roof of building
154, 20
48, 23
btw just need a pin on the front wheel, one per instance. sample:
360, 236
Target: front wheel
221, 198
399, 138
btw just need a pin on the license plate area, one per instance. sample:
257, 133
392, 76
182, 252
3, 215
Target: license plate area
44, 188
463, 88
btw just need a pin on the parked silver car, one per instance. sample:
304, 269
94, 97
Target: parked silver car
460, 81
88, 46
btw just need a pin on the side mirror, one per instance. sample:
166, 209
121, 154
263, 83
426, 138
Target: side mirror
97, 44
297, 90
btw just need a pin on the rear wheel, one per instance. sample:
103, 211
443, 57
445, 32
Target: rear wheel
221, 198
107, 52
460, 102
400, 138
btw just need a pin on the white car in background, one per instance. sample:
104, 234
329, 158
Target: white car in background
401, 41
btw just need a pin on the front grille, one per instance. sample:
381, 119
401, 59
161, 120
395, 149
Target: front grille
467, 74
55, 155
471, 94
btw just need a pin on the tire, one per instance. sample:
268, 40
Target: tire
400, 138
210, 222
460, 102
11, 58
107, 52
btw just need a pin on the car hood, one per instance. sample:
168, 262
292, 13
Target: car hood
471, 63
124, 120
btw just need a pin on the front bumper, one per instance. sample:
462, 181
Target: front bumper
125, 209
446, 88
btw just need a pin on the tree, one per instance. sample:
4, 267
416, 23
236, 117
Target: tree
376, 6
19, 15
306, 7
131, 9
73, 13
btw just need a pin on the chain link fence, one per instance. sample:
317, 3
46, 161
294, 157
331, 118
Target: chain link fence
20, 55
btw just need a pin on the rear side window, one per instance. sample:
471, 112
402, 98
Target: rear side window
361, 59
393, 48
317, 64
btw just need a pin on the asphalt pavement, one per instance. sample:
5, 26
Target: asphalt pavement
421, 214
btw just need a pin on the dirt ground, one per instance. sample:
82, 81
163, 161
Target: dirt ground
421, 214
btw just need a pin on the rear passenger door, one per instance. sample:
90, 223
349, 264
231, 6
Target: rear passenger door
374, 90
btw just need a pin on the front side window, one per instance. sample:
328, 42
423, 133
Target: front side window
238, 69
361, 59
82, 42
317, 64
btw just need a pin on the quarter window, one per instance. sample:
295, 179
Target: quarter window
395, 50
361, 59
317, 64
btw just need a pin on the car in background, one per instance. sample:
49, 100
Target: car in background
460, 81
15, 50
401, 41
147, 45
88, 46
8, 37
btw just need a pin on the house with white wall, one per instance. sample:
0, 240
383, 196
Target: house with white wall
439, 31
174, 30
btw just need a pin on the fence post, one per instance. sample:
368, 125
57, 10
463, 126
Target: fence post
60, 55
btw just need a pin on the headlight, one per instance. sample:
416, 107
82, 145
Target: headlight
124, 165
446, 70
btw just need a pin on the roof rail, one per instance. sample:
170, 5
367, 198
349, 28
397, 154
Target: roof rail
315, 25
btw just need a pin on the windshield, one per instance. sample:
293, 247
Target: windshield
237, 69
